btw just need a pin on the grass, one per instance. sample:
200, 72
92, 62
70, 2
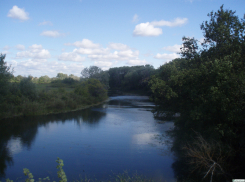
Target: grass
51, 86
47, 98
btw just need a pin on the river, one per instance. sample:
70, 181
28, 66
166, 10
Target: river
116, 136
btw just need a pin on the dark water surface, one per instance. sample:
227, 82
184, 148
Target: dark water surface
98, 142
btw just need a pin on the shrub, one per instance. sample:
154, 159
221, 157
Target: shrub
59, 104
28, 88
69, 81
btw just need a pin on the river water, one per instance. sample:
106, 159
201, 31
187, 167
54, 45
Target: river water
117, 136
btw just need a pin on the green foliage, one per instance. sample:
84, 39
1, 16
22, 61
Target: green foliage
44, 79
28, 88
29, 174
91, 88
131, 78
61, 172
61, 76
5, 76
207, 86
69, 81
96, 73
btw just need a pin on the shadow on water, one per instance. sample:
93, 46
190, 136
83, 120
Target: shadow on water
197, 149
24, 130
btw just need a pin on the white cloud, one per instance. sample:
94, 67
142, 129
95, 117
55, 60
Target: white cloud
35, 51
50, 68
174, 48
107, 57
18, 13
46, 23
136, 62
121, 55
104, 57
149, 28
167, 57
146, 29
118, 46
20, 47
105, 65
6, 47
176, 22
52, 33
35, 47
128, 54
85, 43
4, 52
135, 18
71, 56
92, 51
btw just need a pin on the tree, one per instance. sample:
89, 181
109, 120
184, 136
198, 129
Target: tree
207, 86
61, 76
28, 88
97, 73
44, 79
91, 88
5, 76
90, 72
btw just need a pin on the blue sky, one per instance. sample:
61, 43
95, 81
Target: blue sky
46, 37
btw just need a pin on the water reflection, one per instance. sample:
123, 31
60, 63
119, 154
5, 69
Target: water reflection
19, 133
118, 135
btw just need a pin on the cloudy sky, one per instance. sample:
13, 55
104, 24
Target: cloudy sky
45, 37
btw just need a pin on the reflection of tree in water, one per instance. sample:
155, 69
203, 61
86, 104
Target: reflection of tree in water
5, 157
25, 129
208, 149
26, 132
90, 116
120, 103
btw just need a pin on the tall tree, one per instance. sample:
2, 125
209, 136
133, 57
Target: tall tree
207, 86
5, 76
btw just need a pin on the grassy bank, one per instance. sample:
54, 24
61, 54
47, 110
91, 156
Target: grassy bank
41, 99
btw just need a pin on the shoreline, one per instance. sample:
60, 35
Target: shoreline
53, 112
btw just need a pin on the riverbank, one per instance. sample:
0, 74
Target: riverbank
30, 101
52, 112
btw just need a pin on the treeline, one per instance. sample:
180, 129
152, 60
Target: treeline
134, 78
64, 94
206, 87
30, 95
47, 79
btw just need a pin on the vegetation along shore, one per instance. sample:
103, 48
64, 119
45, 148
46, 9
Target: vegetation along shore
206, 87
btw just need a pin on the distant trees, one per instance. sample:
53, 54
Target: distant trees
44, 79
96, 73
131, 78
61, 76
91, 88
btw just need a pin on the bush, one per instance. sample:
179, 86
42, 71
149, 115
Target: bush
31, 108
59, 104
69, 81
28, 88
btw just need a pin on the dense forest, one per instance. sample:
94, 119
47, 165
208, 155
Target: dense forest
205, 88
